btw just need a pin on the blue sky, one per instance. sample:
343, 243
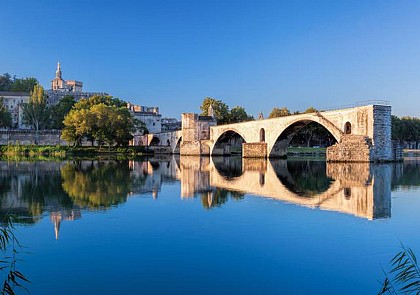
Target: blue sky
256, 54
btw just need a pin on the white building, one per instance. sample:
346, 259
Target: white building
148, 115
13, 102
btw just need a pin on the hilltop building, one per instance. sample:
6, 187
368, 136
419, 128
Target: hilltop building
61, 88
148, 115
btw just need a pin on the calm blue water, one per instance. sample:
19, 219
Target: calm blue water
201, 226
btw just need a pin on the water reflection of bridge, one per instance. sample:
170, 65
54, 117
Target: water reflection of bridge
360, 189
65, 189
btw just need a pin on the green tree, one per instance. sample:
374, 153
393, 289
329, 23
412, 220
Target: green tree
76, 126
221, 109
6, 82
310, 110
87, 103
279, 112
23, 84
5, 116
405, 128
110, 122
36, 112
60, 110
238, 114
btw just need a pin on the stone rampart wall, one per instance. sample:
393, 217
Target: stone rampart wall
28, 137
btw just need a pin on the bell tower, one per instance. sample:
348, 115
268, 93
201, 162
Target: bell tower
58, 82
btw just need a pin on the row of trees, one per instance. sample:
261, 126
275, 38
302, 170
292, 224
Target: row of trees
405, 128
283, 111
225, 115
222, 113
13, 84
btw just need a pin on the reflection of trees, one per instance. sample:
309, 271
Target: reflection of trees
218, 197
25, 194
406, 175
96, 186
305, 178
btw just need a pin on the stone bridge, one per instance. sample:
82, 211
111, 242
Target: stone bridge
362, 134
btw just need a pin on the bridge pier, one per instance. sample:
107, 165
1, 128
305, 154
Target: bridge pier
254, 150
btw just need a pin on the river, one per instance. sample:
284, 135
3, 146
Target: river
210, 225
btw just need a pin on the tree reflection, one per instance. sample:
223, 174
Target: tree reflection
406, 175
304, 178
25, 193
218, 197
98, 185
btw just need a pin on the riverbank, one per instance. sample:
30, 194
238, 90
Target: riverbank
64, 152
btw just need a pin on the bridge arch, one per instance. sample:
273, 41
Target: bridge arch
278, 148
155, 141
229, 142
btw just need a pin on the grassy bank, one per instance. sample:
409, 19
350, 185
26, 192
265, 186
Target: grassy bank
306, 151
37, 151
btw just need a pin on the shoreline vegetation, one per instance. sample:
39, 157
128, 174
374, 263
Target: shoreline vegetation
40, 152
45, 152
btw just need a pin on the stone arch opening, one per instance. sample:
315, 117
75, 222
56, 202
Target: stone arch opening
229, 143
347, 128
168, 142
262, 135
155, 141
302, 134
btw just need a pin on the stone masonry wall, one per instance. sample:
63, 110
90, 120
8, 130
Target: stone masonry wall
382, 146
352, 148
190, 148
254, 150
27, 137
